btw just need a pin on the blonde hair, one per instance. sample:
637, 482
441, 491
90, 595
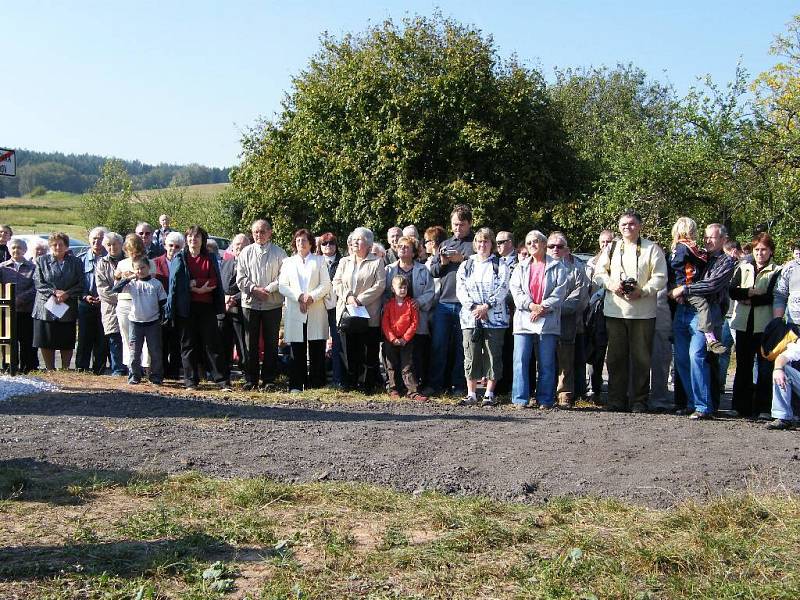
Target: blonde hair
684, 229
399, 281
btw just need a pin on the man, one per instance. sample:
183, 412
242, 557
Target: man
631, 273
392, 236
787, 290
596, 335
699, 372
446, 341
572, 308
508, 254
91, 336
160, 235
5, 235
257, 270
151, 248
786, 387
234, 332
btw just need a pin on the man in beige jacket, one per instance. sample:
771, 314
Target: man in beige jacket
632, 272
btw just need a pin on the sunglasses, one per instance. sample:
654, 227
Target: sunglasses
328, 243
554, 246
502, 241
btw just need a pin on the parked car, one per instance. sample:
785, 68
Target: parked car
31, 239
222, 242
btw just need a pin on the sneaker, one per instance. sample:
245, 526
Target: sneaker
716, 347
394, 395
134, 381
294, 391
780, 424
489, 401
418, 397
225, 386
468, 401
700, 416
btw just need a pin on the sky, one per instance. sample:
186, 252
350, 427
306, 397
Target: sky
178, 82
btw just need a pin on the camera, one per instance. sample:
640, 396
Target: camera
628, 285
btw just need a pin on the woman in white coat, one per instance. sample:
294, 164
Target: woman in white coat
305, 282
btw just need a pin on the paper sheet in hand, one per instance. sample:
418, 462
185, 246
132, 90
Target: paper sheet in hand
358, 311
58, 309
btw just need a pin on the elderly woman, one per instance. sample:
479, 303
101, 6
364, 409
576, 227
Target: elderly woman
421, 291
19, 271
170, 341
234, 330
539, 286
328, 248
305, 282
481, 288
196, 303
104, 280
59, 283
752, 286
133, 248
359, 284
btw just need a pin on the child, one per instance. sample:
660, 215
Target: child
147, 306
399, 325
688, 263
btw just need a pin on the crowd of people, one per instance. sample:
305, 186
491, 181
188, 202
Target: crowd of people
472, 315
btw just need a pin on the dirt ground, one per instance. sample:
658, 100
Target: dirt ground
527, 455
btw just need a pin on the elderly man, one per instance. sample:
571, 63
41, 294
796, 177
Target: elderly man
631, 272
786, 388
160, 234
578, 286
19, 271
151, 248
698, 377
392, 236
5, 234
91, 337
234, 325
507, 251
257, 270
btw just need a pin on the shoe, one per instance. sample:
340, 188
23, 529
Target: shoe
429, 391
157, 381
780, 424
700, 416
489, 401
520, 406
247, 387
468, 401
418, 397
547, 407
765, 416
294, 391
134, 381
638, 408
225, 386
681, 412
190, 386
716, 347
394, 395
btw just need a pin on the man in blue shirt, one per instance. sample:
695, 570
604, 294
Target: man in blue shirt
91, 337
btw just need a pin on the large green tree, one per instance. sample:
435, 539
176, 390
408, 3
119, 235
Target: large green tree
400, 123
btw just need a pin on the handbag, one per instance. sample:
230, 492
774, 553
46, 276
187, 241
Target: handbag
350, 324
477, 333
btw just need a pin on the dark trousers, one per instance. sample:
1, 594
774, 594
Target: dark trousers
337, 360
26, 353
171, 351
598, 362
200, 331
91, 338
580, 365
234, 336
630, 345
362, 358
750, 400
422, 358
139, 333
307, 369
400, 362
504, 384
264, 323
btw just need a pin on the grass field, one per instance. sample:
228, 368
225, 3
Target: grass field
60, 211
67, 534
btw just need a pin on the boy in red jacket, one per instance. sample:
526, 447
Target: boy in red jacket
399, 326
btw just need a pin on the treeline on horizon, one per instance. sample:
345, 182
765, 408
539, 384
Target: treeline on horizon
78, 173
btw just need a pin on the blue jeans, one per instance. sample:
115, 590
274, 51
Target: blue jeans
446, 341
725, 359
115, 354
690, 358
336, 351
545, 347
782, 399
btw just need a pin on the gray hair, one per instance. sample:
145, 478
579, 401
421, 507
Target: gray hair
723, 231
98, 230
113, 236
240, 236
537, 235
212, 245
175, 237
411, 230
19, 242
369, 237
559, 235
143, 224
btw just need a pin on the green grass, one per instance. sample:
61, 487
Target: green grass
196, 537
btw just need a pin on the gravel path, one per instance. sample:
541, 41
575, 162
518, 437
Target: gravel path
521, 455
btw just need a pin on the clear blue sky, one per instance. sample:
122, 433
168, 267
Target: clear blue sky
168, 81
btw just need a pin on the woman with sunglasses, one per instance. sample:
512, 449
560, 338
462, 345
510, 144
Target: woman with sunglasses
328, 248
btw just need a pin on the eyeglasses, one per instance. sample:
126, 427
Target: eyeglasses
503, 241
554, 246
430, 241
328, 243
144, 233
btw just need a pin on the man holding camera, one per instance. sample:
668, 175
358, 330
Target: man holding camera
632, 273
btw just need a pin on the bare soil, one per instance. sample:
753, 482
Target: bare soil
655, 460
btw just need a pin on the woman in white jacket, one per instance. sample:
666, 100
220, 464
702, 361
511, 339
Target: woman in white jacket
305, 282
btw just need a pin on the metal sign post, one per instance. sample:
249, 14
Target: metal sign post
8, 162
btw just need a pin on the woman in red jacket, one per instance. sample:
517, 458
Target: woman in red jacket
399, 325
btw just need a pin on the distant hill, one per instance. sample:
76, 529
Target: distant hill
77, 173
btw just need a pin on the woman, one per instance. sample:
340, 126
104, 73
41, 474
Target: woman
481, 288
752, 287
104, 279
196, 303
329, 250
59, 283
421, 291
359, 283
305, 283
539, 287
19, 271
133, 248
174, 242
